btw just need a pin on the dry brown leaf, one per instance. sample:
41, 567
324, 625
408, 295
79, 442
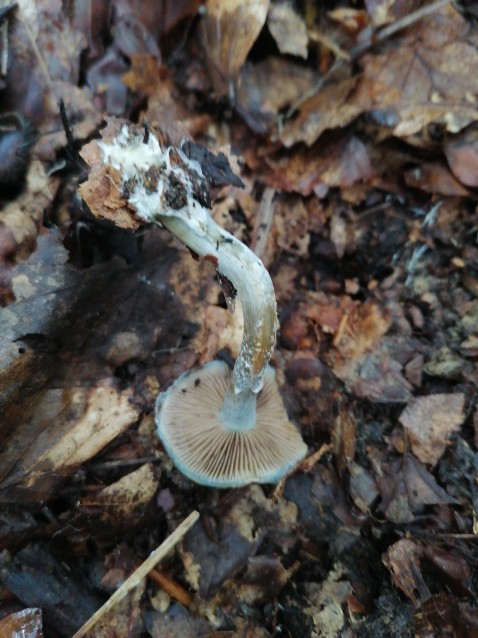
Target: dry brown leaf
269, 86
123, 502
229, 29
344, 439
351, 20
380, 11
363, 487
332, 107
327, 599
429, 78
288, 29
445, 614
366, 325
144, 74
429, 422
60, 430
403, 561
339, 160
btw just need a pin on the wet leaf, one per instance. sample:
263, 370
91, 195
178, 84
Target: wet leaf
59, 431
22, 624
406, 487
430, 421
229, 29
403, 561
288, 29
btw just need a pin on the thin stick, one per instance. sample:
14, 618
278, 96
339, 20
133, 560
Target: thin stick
305, 466
263, 223
171, 587
132, 581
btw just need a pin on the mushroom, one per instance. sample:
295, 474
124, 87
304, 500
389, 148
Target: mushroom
221, 428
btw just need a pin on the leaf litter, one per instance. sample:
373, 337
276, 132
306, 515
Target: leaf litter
354, 128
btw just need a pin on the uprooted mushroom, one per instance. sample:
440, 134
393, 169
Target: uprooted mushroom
221, 428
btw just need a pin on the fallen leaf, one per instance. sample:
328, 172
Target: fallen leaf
426, 79
60, 430
288, 29
429, 422
175, 621
332, 107
340, 159
326, 612
403, 560
451, 566
229, 28
267, 87
122, 503
365, 326
443, 614
22, 624
406, 487
125, 619
22, 217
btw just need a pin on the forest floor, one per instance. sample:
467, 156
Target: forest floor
354, 129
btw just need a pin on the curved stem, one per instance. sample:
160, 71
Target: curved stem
247, 273
165, 186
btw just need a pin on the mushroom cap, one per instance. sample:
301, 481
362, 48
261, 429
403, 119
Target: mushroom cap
190, 427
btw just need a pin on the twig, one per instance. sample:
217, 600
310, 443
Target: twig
171, 587
340, 329
143, 570
304, 466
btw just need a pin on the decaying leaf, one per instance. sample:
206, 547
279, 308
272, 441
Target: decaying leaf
229, 29
363, 487
238, 535
288, 29
429, 422
403, 561
60, 430
406, 487
357, 122
267, 87
332, 107
426, 80
327, 612
26, 623
122, 503
338, 160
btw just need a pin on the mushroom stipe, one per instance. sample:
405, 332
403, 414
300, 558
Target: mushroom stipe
221, 428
